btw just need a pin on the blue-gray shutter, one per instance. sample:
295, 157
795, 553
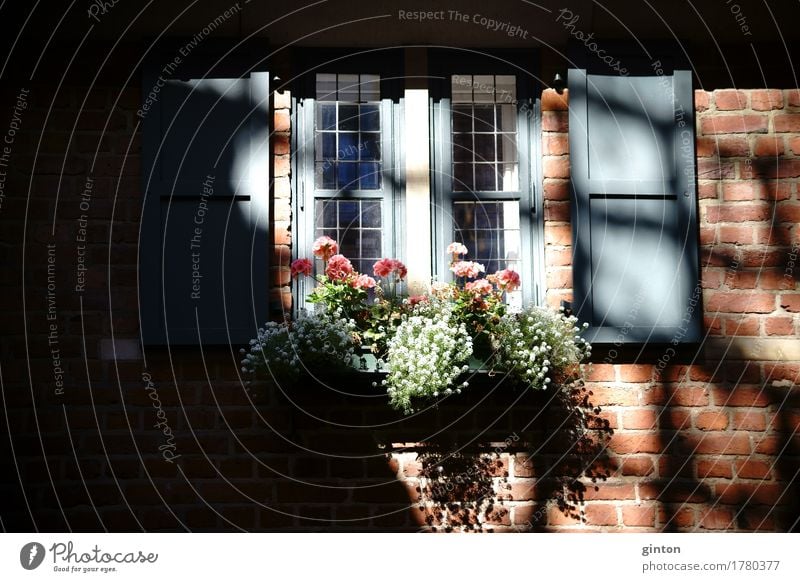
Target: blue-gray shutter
204, 123
632, 154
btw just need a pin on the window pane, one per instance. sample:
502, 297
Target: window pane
325, 176
348, 87
357, 230
348, 117
492, 123
325, 147
326, 116
326, 87
370, 87
490, 231
370, 146
462, 177
370, 118
348, 146
346, 175
370, 175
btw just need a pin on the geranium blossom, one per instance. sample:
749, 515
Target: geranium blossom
339, 268
507, 280
468, 269
325, 247
479, 287
456, 248
416, 299
301, 267
363, 282
386, 267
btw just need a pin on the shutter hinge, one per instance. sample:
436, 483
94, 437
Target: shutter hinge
301, 195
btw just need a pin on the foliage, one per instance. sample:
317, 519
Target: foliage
424, 342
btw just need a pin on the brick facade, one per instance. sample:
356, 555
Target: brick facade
694, 444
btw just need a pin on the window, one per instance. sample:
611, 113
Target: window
348, 180
485, 156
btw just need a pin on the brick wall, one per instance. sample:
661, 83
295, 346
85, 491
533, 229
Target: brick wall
709, 444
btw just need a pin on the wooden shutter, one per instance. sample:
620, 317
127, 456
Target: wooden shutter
634, 203
206, 178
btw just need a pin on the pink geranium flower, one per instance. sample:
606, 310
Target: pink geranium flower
479, 287
301, 267
507, 280
456, 248
468, 269
416, 299
325, 247
386, 267
363, 282
339, 268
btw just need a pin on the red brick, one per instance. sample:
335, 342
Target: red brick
557, 517
280, 143
779, 326
782, 371
736, 234
755, 190
601, 514
282, 234
787, 212
640, 418
557, 235
793, 97
554, 101
790, 303
555, 257
719, 124
689, 396
624, 443
737, 212
637, 466
759, 494
707, 191
614, 396
555, 144
730, 99
283, 100
282, 187
753, 469
555, 189
559, 278
779, 169
733, 147
636, 372
766, 99
555, 167
282, 166
716, 518
714, 468
556, 211
718, 444
732, 302
794, 144
715, 169
638, 515
771, 146
555, 121
281, 121
740, 396
706, 147
682, 518
605, 491
711, 421
787, 123
742, 326
702, 99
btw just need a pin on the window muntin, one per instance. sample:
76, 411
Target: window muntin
347, 132
484, 133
